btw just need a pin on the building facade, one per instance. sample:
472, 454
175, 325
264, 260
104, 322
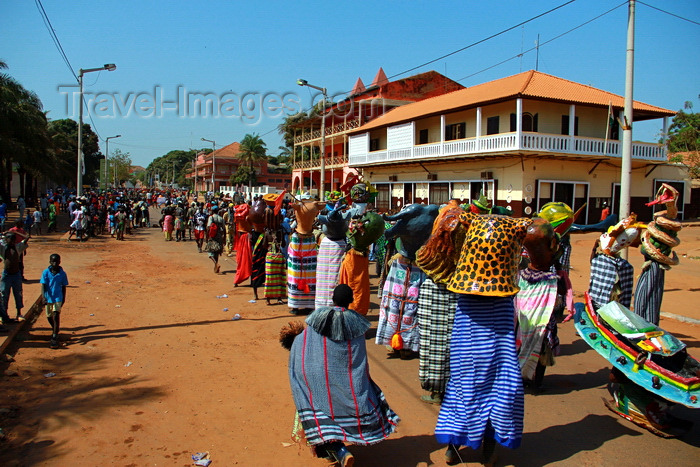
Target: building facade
523, 141
212, 171
362, 105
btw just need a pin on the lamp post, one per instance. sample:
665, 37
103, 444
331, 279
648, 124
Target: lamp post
303, 82
194, 166
107, 155
79, 184
213, 164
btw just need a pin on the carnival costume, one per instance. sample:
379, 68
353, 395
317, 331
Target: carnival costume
484, 399
658, 240
436, 305
244, 254
334, 225
302, 258
398, 325
651, 368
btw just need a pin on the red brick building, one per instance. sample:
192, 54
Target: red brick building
362, 106
212, 171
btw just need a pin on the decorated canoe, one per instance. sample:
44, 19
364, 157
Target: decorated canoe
646, 354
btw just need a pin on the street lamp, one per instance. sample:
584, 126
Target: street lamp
108, 67
213, 164
194, 165
107, 155
303, 82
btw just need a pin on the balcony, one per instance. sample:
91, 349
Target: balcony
330, 131
538, 143
331, 163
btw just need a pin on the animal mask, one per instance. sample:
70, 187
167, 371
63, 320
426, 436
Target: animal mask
624, 234
365, 231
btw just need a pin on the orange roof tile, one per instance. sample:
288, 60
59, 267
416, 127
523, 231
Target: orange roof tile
530, 84
230, 151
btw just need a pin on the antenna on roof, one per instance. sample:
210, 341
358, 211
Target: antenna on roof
537, 60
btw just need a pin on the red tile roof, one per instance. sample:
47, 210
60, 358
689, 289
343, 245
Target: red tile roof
230, 151
530, 84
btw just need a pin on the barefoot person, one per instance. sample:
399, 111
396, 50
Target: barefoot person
53, 287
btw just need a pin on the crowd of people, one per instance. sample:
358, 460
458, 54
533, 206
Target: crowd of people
473, 293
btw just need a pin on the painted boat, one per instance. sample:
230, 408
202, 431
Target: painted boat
638, 348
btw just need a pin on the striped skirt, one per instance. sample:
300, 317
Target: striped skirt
650, 292
436, 314
275, 275
257, 241
301, 270
330, 254
484, 396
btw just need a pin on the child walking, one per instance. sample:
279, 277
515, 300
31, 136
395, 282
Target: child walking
53, 287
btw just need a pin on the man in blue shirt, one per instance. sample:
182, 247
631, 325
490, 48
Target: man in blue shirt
53, 287
3, 214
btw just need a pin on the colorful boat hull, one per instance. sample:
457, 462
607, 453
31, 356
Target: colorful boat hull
632, 362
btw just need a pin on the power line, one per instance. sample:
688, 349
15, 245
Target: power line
62, 53
669, 13
54, 37
483, 40
459, 50
545, 42
480, 42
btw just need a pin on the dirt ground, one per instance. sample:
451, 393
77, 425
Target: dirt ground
153, 369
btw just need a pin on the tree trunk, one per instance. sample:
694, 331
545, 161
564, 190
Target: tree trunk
250, 181
8, 179
3, 190
21, 173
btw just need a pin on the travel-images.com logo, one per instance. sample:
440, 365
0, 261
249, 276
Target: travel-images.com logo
250, 107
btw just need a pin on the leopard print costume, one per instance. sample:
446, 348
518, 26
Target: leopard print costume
488, 262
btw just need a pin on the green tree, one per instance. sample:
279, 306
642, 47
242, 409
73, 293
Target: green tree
64, 138
174, 166
252, 152
684, 139
120, 165
244, 174
23, 136
286, 128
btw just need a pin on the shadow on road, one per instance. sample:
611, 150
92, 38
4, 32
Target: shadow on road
72, 397
560, 442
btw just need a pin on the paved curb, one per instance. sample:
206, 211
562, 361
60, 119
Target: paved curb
29, 317
683, 319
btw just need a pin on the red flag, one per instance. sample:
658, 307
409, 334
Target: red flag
278, 202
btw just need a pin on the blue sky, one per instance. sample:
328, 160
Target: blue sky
253, 52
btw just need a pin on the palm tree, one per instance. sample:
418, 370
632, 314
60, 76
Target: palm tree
252, 151
23, 134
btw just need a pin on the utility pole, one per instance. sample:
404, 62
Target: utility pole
626, 168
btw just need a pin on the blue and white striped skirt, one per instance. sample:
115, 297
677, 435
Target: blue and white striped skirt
484, 396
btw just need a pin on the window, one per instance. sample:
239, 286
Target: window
615, 129
493, 125
374, 144
383, 197
423, 136
565, 125
529, 122
439, 193
455, 131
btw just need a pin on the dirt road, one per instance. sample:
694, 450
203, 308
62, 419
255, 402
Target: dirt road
153, 369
